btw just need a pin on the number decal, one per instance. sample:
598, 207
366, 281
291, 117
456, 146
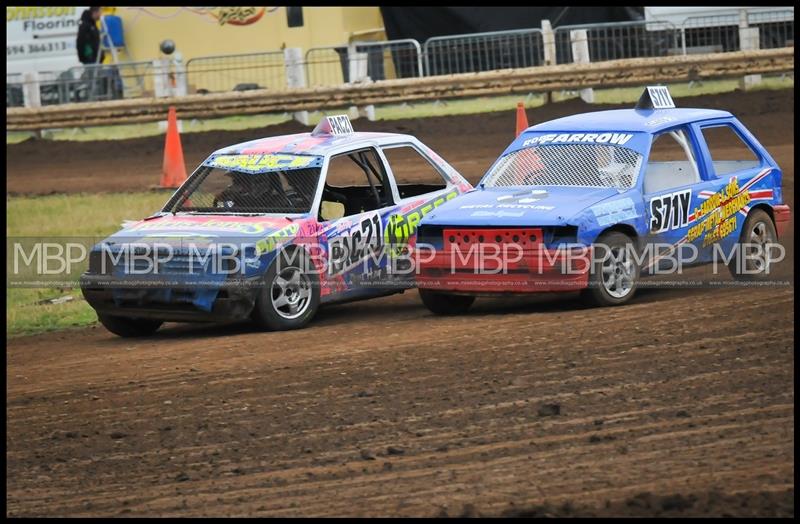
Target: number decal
660, 97
359, 244
670, 211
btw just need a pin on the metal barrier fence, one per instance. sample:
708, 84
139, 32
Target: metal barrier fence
445, 55
241, 72
14, 96
376, 61
87, 83
776, 28
720, 34
359, 61
620, 40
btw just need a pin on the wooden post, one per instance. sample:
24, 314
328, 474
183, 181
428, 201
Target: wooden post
163, 88
295, 77
181, 87
580, 55
160, 80
549, 41
31, 94
748, 41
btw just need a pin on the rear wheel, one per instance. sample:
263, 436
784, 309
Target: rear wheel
445, 304
289, 298
614, 271
129, 327
752, 261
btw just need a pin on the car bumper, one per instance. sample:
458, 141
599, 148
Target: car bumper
538, 271
234, 301
782, 215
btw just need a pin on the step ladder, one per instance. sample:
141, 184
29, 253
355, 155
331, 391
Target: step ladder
133, 83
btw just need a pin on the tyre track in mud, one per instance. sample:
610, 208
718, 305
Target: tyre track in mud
270, 431
469, 142
679, 403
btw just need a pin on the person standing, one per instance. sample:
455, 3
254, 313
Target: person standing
88, 42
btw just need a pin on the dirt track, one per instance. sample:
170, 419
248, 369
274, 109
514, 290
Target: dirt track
678, 404
469, 142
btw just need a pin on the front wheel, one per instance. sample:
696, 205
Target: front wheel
290, 296
752, 260
445, 304
129, 327
614, 272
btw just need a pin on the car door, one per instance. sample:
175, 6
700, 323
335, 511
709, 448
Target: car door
422, 181
356, 198
739, 177
675, 187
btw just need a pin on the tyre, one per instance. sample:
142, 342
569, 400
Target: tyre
129, 327
614, 272
445, 304
289, 298
757, 233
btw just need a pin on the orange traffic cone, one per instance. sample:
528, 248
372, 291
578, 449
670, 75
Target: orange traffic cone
173, 172
522, 118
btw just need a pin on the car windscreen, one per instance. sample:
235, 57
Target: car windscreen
229, 184
583, 165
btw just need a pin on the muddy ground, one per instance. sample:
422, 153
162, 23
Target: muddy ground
469, 142
681, 403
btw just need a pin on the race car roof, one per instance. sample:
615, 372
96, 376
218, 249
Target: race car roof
632, 120
306, 144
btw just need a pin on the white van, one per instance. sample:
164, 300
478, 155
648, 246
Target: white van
41, 39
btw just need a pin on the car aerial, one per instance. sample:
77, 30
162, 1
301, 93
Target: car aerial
592, 201
270, 229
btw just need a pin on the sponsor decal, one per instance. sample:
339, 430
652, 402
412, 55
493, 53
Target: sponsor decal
238, 15
528, 197
210, 225
538, 207
718, 213
262, 163
40, 32
276, 239
659, 121
28, 13
757, 194
582, 138
177, 236
614, 212
670, 211
498, 214
400, 227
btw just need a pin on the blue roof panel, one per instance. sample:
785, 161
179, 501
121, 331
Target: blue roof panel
632, 120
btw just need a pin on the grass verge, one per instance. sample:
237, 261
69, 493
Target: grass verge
96, 216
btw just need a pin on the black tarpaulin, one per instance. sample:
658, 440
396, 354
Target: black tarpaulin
422, 23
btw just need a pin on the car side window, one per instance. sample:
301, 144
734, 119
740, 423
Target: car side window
413, 173
729, 153
671, 162
356, 181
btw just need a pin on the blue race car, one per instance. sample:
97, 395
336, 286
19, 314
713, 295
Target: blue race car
590, 202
